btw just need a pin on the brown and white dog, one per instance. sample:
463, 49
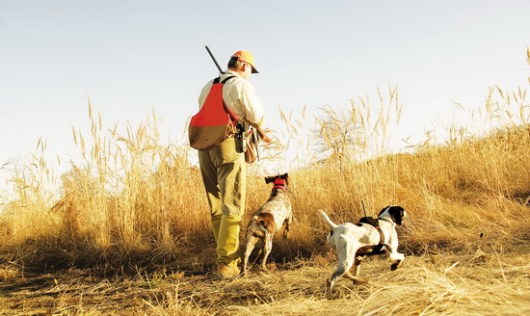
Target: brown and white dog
351, 241
269, 219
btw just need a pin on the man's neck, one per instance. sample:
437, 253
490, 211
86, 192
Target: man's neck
233, 71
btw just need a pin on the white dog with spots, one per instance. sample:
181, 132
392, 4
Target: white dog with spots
352, 241
269, 219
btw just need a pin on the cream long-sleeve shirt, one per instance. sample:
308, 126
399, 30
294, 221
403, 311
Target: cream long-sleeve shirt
240, 96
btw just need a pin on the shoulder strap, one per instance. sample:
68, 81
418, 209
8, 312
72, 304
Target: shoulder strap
227, 78
381, 235
218, 79
232, 114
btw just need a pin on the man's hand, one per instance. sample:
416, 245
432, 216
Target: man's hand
263, 135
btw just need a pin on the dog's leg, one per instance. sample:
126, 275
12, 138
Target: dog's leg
251, 243
267, 247
355, 278
342, 270
398, 258
346, 253
287, 224
357, 267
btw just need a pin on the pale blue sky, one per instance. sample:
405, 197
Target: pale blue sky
134, 56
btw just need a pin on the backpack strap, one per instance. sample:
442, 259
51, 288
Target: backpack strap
233, 116
225, 80
218, 79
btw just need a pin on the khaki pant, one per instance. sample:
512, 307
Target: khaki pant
223, 172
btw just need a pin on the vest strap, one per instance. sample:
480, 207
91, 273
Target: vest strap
226, 79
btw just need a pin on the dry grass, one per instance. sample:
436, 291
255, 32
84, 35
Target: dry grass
128, 232
444, 284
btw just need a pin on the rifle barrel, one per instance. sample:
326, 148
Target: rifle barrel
214, 60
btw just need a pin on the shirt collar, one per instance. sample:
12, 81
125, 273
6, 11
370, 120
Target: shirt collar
230, 72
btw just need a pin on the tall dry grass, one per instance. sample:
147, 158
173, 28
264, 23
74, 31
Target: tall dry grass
129, 199
133, 200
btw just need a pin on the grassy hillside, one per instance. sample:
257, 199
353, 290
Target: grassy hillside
133, 215
135, 201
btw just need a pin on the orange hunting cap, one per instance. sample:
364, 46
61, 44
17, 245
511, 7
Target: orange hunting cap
246, 56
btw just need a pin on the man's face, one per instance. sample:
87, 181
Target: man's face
246, 71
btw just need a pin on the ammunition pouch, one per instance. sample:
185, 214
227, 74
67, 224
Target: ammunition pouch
247, 142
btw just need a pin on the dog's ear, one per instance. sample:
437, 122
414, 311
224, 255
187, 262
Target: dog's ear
269, 179
397, 213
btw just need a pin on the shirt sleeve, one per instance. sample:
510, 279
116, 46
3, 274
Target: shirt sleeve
251, 104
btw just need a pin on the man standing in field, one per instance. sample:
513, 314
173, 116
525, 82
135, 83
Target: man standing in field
223, 168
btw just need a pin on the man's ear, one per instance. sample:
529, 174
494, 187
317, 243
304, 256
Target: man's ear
244, 67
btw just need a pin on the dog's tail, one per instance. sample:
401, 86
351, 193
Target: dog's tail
265, 222
327, 219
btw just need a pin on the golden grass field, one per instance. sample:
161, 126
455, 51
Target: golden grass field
128, 231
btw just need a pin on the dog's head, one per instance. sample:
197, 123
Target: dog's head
279, 180
396, 212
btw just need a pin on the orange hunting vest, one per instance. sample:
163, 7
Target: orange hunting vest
214, 122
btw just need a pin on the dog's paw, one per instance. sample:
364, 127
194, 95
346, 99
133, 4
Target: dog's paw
329, 285
268, 268
358, 281
395, 265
